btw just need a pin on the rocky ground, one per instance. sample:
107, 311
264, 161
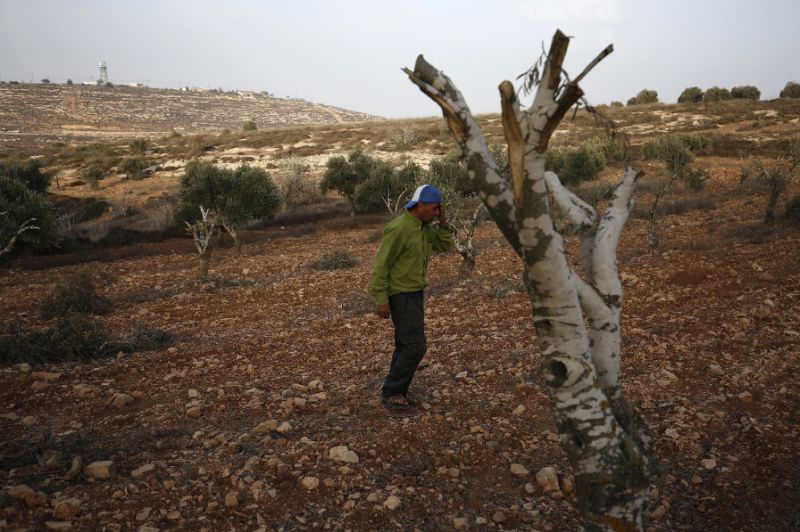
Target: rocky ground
263, 413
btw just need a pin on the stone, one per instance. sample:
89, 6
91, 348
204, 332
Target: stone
708, 463
567, 486
39, 386
672, 433
29, 420
121, 400
194, 411
460, 523
74, 469
144, 513
715, 369
99, 470
341, 453
284, 427
658, 513
46, 376
530, 488
65, 508
499, 517
19, 492
310, 483
519, 470
519, 410
193, 394
746, 397
232, 499
265, 426
548, 479
139, 471
58, 525
392, 502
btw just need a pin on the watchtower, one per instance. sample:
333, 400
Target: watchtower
103, 74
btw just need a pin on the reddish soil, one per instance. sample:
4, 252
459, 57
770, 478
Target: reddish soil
711, 329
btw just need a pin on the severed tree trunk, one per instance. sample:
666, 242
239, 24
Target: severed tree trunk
465, 244
605, 441
203, 231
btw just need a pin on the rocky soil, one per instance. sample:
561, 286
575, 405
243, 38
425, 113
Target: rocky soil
263, 414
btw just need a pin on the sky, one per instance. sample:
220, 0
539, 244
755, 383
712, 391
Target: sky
348, 53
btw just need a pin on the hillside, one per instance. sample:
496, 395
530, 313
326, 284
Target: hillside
33, 113
226, 416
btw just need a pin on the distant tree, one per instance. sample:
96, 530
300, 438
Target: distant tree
345, 174
385, 188
716, 94
235, 197
576, 164
746, 92
138, 146
644, 96
29, 174
779, 176
691, 95
94, 175
791, 90
617, 103
45, 80
69, 81
249, 125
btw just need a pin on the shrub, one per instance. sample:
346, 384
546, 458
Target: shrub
696, 179
695, 142
746, 92
450, 172
691, 95
93, 176
29, 174
89, 210
19, 204
345, 174
793, 209
383, 187
716, 94
296, 185
669, 150
138, 146
235, 196
613, 148
76, 294
69, 81
134, 167
336, 260
644, 96
404, 138
250, 125
72, 336
791, 90
617, 103
575, 164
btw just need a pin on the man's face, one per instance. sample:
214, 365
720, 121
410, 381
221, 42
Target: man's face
426, 212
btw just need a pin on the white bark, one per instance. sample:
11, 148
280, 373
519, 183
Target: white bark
26, 226
604, 440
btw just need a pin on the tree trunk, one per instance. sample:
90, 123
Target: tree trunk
607, 445
202, 268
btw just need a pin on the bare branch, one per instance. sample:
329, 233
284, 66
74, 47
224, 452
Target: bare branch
23, 228
579, 213
514, 139
602, 55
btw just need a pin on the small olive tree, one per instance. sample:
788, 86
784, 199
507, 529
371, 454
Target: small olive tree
234, 197
345, 174
778, 177
28, 220
691, 95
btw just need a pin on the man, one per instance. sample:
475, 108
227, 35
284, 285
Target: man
398, 279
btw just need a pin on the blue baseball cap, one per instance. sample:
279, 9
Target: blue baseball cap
424, 194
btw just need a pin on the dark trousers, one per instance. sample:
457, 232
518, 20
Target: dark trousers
408, 316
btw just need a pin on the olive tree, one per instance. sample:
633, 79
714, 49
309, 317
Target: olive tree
234, 196
606, 442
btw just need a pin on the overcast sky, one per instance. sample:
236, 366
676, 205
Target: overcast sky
348, 53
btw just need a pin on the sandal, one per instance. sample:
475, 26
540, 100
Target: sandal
395, 402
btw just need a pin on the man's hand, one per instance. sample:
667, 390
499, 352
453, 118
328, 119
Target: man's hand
382, 311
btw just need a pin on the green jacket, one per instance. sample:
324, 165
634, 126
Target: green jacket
402, 261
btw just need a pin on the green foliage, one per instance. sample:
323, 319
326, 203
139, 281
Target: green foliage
76, 294
617, 103
236, 196
296, 186
691, 95
613, 148
716, 94
138, 146
671, 151
93, 176
383, 185
449, 172
746, 92
644, 96
575, 164
250, 125
19, 204
696, 178
29, 174
134, 167
665, 147
344, 175
695, 142
404, 138
793, 209
90, 210
791, 90
500, 156
336, 260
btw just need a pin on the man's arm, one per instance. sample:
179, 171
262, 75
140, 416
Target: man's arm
391, 244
